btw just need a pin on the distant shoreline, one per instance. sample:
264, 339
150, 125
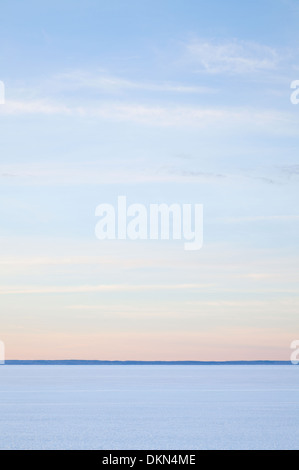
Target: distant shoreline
141, 363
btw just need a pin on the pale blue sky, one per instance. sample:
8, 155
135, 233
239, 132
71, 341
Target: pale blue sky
172, 101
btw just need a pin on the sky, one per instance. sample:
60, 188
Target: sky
178, 101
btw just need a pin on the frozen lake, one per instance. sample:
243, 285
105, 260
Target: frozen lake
149, 407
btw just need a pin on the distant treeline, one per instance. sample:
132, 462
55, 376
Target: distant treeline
143, 363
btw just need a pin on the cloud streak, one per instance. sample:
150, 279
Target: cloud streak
232, 57
262, 218
105, 83
161, 116
9, 290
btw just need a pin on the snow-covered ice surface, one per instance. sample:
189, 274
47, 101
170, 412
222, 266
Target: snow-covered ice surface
149, 407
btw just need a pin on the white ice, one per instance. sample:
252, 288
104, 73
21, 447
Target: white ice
149, 407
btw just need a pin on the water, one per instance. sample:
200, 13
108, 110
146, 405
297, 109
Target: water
149, 407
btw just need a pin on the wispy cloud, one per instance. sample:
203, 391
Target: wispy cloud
232, 57
262, 218
161, 116
290, 170
191, 174
41, 106
104, 82
97, 288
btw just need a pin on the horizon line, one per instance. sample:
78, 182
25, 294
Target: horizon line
139, 362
